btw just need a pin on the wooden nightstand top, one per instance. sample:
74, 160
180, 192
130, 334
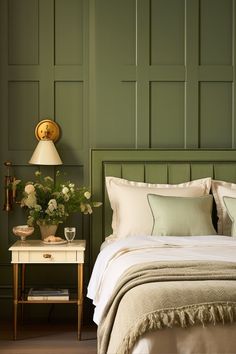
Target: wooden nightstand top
38, 245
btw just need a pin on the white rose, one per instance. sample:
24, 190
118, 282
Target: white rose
65, 190
38, 207
52, 204
30, 201
51, 208
87, 195
71, 185
29, 188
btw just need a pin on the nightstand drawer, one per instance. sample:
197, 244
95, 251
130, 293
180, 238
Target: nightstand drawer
47, 256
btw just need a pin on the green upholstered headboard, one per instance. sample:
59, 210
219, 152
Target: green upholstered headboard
153, 166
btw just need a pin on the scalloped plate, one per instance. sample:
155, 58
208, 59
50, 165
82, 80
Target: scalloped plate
55, 242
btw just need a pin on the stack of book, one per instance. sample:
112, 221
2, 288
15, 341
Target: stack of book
48, 294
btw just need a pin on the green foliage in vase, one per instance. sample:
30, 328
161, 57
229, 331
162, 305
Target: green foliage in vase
50, 201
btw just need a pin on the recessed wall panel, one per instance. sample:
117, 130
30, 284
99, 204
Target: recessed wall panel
68, 32
216, 32
23, 107
167, 31
167, 114
69, 114
215, 115
117, 116
116, 31
23, 32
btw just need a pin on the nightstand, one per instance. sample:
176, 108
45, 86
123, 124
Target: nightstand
36, 252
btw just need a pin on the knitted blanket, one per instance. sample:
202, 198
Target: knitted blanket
157, 295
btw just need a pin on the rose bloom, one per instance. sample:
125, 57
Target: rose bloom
52, 204
87, 195
29, 188
65, 190
31, 201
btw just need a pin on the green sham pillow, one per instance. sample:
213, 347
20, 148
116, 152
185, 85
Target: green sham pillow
181, 216
230, 204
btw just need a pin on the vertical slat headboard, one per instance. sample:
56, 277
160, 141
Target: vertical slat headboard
153, 166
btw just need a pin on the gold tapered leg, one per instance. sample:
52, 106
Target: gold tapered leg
15, 298
22, 289
80, 298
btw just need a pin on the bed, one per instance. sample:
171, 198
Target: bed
163, 294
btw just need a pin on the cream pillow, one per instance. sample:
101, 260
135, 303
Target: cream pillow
222, 189
131, 212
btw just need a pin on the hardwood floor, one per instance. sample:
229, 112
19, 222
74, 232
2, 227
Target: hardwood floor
47, 338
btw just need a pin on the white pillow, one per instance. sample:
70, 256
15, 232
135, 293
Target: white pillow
131, 212
222, 189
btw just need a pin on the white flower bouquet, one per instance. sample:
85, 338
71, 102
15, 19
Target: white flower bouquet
50, 201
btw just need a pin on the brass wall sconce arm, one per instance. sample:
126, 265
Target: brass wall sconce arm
9, 191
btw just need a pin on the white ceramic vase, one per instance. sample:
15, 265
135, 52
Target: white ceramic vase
47, 230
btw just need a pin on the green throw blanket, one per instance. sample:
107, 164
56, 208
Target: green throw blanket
156, 295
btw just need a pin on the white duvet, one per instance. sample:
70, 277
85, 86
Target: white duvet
118, 256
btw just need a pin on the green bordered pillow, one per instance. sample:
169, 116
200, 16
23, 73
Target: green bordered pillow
181, 216
230, 204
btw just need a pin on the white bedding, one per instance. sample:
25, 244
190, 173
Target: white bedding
116, 257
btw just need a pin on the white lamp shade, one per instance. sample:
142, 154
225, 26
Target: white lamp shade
45, 154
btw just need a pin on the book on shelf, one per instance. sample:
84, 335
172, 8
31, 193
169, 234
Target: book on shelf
48, 294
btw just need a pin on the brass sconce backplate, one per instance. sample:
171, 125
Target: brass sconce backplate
47, 129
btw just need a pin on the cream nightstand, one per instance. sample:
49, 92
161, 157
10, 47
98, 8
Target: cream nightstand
35, 251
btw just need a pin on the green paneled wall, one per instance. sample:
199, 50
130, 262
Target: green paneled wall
112, 73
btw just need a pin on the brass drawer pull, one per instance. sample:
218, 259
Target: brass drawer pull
47, 255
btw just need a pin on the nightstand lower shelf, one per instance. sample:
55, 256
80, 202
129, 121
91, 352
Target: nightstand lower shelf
47, 302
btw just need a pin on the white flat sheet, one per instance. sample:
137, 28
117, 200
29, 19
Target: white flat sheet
118, 256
